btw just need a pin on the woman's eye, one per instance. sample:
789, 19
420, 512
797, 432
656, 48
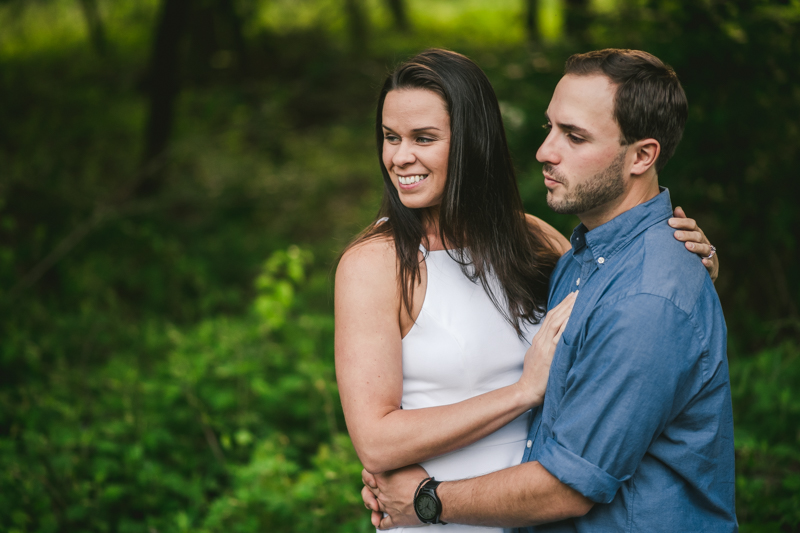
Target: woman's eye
390, 138
424, 140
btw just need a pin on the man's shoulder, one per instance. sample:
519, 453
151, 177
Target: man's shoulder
663, 267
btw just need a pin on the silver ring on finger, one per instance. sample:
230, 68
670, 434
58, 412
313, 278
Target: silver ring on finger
713, 251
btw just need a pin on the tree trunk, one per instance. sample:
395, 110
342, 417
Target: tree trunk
94, 24
532, 19
164, 86
357, 25
234, 22
400, 14
577, 19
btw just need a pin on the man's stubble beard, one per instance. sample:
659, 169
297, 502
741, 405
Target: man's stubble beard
583, 197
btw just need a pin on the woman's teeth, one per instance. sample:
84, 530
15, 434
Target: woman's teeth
409, 180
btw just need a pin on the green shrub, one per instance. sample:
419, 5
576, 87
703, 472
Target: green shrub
766, 402
233, 427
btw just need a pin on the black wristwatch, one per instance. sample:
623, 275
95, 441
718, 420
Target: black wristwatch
427, 504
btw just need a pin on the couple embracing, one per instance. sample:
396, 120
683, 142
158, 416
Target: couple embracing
456, 311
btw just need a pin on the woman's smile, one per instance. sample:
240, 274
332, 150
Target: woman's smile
409, 182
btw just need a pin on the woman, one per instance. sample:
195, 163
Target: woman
434, 305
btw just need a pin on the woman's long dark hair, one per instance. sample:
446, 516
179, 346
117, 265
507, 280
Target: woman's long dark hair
481, 219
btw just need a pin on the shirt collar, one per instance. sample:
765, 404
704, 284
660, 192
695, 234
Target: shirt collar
606, 240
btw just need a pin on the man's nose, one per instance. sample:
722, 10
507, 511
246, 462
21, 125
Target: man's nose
547, 152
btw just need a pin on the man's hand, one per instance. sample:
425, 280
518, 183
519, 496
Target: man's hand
392, 493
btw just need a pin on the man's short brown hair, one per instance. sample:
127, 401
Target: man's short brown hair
650, 102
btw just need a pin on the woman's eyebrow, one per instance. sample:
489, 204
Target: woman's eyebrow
415, 130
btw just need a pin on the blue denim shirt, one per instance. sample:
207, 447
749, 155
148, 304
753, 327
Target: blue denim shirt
637, 415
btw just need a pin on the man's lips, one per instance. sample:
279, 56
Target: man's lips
549, 179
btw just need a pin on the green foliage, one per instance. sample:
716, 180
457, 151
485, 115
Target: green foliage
272, 493
230, 425
765, 392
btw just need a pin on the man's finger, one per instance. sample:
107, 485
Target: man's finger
369, 499
368, 479
386, 522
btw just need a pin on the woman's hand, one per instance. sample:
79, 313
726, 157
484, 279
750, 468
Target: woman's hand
696, 241
536, 369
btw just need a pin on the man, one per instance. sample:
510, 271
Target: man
636, 430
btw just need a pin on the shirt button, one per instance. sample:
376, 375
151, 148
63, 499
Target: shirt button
578, 282
530, 443
601, 260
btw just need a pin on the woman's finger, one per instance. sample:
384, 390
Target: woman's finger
683, 223
557, 317
703, 250
691, 236
562, 311
560, 331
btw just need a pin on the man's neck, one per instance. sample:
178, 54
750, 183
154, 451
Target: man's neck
637, 195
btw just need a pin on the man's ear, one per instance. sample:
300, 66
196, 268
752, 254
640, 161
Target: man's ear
646, 153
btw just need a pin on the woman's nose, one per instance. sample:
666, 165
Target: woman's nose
404, 155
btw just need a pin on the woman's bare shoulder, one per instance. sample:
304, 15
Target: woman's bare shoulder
557, 241
370, 260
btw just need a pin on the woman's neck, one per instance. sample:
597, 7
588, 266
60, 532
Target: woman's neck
432, 238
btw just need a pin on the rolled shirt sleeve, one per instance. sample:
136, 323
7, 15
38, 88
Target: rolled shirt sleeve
633, 366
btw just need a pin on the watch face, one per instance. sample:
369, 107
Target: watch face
426, 506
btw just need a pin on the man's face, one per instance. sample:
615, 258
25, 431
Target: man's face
585, 167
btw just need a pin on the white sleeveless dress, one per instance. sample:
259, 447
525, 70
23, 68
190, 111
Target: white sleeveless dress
460, 347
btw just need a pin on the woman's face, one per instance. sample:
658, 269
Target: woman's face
416, 145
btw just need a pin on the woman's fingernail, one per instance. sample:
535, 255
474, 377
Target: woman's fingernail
691, 245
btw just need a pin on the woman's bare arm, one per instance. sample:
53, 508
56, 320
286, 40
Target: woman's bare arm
557, 241
370, 374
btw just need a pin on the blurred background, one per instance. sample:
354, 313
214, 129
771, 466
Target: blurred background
177, 178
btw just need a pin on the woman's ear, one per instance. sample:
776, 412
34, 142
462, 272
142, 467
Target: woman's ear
646, 153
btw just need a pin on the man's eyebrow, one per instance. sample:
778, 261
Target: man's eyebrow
572, 128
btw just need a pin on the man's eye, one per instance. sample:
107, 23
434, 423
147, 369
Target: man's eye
574, 139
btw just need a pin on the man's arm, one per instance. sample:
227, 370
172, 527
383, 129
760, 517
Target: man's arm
518, 496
